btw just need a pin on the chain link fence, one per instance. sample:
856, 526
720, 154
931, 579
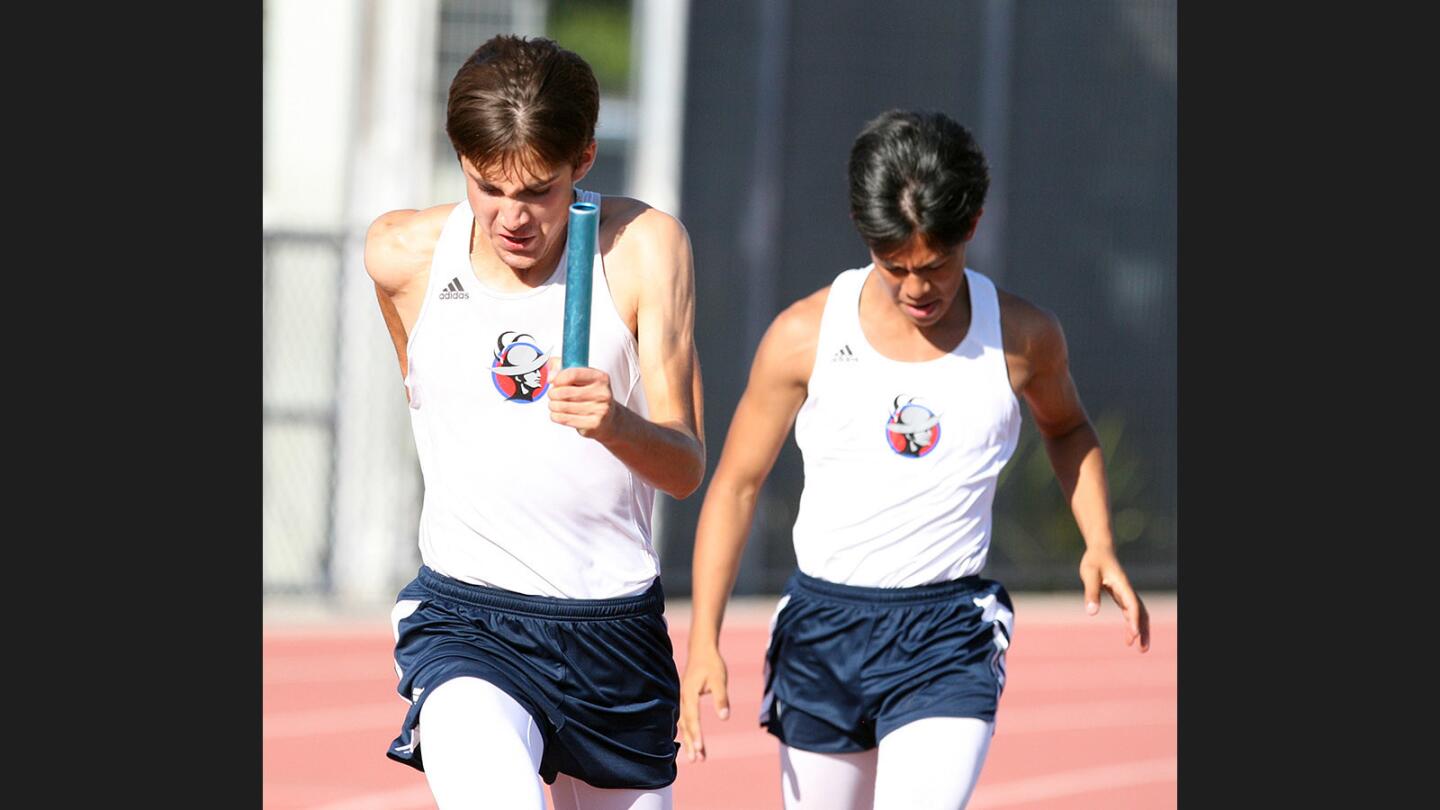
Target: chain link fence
301, 273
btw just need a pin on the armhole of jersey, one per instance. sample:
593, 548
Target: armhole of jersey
1000, 339
819, 341
429, 287
828, 324
632, 346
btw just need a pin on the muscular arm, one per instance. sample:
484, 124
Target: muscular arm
667, 449
1070, 439
774, 394
398, 248
395, 327
1075, 455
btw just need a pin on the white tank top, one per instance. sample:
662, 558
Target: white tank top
512, 499
901, 459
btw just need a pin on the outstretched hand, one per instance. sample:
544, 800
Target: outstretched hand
704, 675
1101, 570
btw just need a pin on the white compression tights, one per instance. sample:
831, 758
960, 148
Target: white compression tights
930, 764
482, 749
570, 793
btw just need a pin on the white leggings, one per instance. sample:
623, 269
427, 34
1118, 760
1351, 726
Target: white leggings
482, 749
929, 764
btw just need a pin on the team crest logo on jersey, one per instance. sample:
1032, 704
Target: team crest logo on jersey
520, 372
914, 427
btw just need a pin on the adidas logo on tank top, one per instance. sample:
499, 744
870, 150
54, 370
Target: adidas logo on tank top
454, 290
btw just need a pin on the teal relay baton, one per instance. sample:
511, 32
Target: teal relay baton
580, 261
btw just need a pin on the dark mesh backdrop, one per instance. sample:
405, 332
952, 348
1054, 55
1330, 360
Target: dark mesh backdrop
1075, 103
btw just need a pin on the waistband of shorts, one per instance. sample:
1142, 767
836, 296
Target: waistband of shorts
652, 601
864, 595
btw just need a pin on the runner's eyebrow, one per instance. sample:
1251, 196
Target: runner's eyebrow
533, 188
931, 266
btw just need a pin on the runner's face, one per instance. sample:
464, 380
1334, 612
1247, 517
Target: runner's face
921, 280
522, 213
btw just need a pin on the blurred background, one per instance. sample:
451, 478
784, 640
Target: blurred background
737, 117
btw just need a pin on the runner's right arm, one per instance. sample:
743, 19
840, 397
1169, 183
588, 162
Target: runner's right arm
398, 248
776, 390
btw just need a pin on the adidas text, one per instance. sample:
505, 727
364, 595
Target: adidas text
454, 290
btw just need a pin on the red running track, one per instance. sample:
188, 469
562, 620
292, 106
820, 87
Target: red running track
1085, 722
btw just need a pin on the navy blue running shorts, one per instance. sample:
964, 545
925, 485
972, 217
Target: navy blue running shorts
597, 675
847, 665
